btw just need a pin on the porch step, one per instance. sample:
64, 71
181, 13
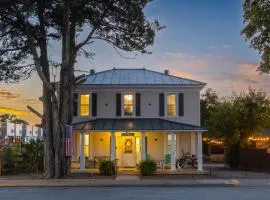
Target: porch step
127, 177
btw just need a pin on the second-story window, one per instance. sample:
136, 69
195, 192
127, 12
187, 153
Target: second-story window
128, 104
171, 105
84, 105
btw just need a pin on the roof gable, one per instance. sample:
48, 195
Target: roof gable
136, 77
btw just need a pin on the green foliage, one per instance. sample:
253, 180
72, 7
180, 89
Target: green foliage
243, 115
147, 167
12, 118
209, 101
257, 29
33, 156
120, 23
12, 159
107, 168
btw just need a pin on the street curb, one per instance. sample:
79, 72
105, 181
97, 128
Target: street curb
114, 183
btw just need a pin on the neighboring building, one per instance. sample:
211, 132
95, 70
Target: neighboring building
16, 133
129, 115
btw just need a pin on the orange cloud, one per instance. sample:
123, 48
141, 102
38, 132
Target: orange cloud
8, 95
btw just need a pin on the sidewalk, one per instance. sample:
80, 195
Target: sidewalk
114, 183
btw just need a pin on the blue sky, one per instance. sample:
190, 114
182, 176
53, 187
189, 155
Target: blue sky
201, 41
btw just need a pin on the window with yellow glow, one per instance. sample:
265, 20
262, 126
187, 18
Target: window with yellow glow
128, 105
86, 145
84, 105
171, 105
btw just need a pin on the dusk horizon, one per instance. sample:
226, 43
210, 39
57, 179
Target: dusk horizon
201, 41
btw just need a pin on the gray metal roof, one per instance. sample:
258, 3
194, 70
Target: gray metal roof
136, 77
135, 124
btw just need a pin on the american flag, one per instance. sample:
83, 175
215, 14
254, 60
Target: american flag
68, 141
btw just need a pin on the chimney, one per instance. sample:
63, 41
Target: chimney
92, 71
166, 72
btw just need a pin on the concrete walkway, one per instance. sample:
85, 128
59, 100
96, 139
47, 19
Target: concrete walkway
115, 183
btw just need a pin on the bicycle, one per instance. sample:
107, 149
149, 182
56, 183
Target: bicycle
186, 159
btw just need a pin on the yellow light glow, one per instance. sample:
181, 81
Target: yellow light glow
128, 104
171, 105
86, 145
84, 104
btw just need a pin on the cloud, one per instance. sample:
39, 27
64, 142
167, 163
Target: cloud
222, 73
31, 101
8, 95
226, 46
213, 46
247, 65
13, 111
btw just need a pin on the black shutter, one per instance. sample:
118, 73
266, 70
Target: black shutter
181, 104
138, 104
94, 104
161, 104
75, 104
118, 104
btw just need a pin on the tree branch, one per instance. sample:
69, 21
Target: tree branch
80, 45
35, 112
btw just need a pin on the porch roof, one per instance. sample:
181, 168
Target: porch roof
135, 124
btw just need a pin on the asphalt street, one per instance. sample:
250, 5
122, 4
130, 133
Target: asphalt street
128, 193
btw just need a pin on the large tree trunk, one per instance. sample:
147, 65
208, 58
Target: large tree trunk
47, 97
66, 91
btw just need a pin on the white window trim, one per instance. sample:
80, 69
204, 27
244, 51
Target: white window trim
122, 105
176, 104
79, 105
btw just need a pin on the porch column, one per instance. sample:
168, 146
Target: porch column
192, 143
89, 147
112, 152
173, 153
199, 152
82, 156
143, 150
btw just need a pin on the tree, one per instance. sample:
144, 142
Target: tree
27, 27
241, 116
257, 29
209, 100
12, 118
238, 118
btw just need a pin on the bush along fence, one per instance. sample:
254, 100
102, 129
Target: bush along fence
22, 158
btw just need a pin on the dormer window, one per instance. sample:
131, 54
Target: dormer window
171, 105
128, 104
84, 105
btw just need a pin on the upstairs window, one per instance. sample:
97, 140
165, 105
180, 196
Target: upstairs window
128, 105
171, 105
84, 105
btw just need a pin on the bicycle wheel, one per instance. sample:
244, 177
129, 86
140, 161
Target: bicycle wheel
180, 163
194, 163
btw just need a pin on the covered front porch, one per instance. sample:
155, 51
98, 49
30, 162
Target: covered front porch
129, 141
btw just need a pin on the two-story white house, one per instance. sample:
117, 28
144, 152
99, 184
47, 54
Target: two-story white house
129, 115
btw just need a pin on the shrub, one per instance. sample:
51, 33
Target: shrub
147, 167
33, 156
12, 159
107, 168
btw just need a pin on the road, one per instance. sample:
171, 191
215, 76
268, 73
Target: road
201, 193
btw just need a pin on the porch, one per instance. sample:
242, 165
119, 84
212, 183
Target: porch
129, 141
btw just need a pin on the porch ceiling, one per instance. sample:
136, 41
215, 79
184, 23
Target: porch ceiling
135, 124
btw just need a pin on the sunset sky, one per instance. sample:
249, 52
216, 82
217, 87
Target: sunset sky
202, 41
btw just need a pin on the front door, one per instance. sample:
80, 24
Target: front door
129, 153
